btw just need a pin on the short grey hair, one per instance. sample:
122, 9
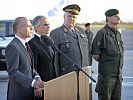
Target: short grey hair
37, 19
16, 23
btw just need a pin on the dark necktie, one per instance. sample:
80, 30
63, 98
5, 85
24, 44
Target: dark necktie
73, 31
51, 52
28, 50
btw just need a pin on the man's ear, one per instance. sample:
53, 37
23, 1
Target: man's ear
36, 28
19, 29
108, 17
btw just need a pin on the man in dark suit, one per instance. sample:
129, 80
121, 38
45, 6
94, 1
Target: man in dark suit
45, 56
22, 76
71, 40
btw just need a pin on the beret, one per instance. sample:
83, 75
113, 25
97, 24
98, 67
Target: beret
111, 12
87, 24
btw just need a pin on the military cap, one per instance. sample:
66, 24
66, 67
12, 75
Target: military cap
111, 12
73, 8
87, 24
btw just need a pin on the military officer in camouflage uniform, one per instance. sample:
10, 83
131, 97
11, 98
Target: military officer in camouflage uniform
71, 40
107, 49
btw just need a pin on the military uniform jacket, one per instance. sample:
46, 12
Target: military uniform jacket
90, 38
74, 45
109, 45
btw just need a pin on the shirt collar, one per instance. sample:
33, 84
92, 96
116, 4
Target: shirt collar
69, 29
21, 40
38, 35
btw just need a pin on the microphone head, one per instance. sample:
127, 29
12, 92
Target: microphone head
47, 40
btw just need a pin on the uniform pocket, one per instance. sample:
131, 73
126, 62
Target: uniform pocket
65, 46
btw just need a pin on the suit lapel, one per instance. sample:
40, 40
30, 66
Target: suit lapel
22, 48
43, 45
68, 32
80, 36
56, 64
72, 34
54, 59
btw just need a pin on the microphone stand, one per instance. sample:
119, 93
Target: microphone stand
79, 68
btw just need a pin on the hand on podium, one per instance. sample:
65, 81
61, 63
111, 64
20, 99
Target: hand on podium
38, 84
38, 87
38, 92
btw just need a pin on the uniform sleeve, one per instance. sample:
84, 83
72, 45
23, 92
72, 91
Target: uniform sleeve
55, 37
98, 43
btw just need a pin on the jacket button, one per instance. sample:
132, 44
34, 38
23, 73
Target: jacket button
63, 68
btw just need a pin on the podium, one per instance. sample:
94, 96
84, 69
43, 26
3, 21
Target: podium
65, 87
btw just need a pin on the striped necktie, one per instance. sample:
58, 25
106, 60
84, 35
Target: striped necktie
28, 50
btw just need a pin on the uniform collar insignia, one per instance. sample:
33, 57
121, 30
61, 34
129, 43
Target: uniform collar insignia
65, 30
77, 29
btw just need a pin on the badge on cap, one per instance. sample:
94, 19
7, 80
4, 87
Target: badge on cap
73, 8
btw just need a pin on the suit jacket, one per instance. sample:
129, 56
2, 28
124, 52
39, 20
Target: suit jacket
45, 65
20, 70
74, 45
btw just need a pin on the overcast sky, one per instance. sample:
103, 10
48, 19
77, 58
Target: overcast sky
91, 10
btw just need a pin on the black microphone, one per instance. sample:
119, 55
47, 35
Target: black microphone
49, 42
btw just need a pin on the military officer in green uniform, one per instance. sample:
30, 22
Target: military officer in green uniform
107, 49
89, 35
71, 40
